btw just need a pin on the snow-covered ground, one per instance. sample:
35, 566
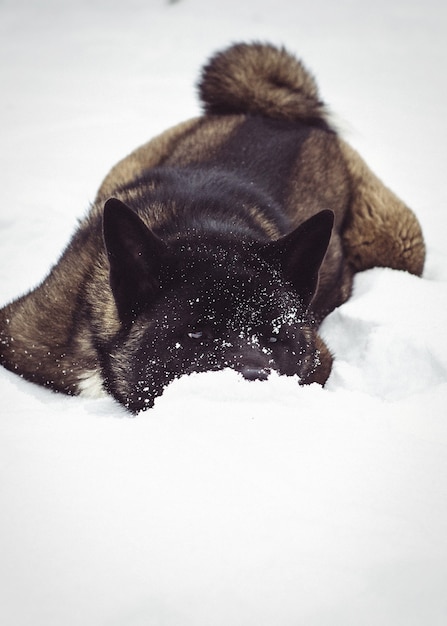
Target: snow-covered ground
230, 503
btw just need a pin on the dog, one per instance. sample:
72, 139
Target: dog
221, 243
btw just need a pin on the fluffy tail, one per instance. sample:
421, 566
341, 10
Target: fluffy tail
260, 79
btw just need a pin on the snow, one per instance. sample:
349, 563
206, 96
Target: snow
231, 502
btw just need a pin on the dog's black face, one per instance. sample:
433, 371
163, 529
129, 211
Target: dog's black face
247, 325
203, 304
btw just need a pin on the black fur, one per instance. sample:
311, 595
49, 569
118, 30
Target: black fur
212, 300
221, 243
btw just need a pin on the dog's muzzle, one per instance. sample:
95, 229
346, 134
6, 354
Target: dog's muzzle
254, 373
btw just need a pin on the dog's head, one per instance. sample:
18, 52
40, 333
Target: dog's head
208, 302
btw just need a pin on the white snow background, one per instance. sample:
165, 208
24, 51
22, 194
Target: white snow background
230, 503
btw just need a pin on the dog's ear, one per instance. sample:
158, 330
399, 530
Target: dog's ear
135, 257
301, 253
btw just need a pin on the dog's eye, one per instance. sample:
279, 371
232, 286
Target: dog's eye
196, 334
272, 335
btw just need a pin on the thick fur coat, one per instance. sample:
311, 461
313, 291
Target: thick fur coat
221, 243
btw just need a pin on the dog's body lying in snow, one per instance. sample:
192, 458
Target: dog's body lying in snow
221, 243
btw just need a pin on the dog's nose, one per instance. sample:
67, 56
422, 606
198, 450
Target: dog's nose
254, 373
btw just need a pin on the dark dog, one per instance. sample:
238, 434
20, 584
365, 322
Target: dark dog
222, 243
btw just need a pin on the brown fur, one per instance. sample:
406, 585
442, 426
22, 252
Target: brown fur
380, 230
45, 336
267, 79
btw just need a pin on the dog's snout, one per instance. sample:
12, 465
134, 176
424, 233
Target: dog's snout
254, 373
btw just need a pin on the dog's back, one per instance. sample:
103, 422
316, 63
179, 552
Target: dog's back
260, 162
267, 132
